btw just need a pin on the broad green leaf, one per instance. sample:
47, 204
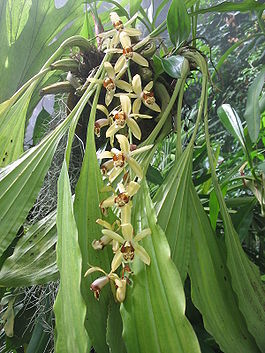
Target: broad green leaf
245, 277
69, 307
21, 181
12, 129
207, 185
40, 36
231, 122
87, 211
87, 29
154, 176
134, 6
252, 113
114, 329
153, 312
214, 207
243, 218
211, 288
262, 103
40, 337
16, 17
178, 22
171, 204
34, 259
190, 3
227, 6
173, 65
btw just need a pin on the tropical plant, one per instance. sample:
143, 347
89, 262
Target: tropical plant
128, 245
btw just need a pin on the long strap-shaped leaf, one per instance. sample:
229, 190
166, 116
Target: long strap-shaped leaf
69, 307
153, 312
172, 204
34, 258
212, 292
87, 211
245, 276
20, 183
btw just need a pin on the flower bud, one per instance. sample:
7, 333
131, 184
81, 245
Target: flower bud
121, 289
98, 284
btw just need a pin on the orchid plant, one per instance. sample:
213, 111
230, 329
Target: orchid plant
122, 251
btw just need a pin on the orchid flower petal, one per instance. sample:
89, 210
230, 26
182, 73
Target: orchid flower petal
120, 63
109, 96
124, 143
141, 150
108, 202
136, 131
106, 154
115, 173
126, 104
153, 106
125, 40
104, 224
103, 109
109, 69
135, 167
144, 233
132, 32
133, 187
112, 130
94, 269
127, 231
123, 85
116, 261
149, 86
141, 253
137, 84
126, 212
139, 59
137, 105
113, 235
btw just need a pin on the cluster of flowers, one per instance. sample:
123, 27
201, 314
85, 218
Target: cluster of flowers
120, 234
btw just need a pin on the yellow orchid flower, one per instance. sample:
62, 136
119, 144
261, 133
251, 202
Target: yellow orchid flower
123, 117
145, 96
103, 241
120, 28
129, 245
128, 53
99, 283
123, 156
122, 200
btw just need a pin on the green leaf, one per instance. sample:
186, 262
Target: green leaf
245, 277
252, 113
178, 22
21, 181
171, 204
227, 6
232, 122
38, 39
114, 329
173, 65
212, 292
69, 307
153, 312
214, 207
135, 5
87, 29
243, 218
154, 176
34, 259
87, 211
